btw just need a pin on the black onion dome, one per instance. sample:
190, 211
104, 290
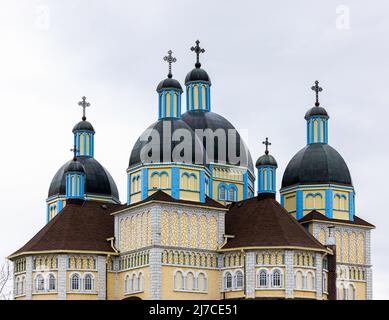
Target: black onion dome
83, 126
317, 164
158, 146
214, 121
169, 83
75, 166
197, 74
98, 181
266, 160
316, 111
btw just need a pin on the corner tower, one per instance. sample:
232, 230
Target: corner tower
82, 177
317, 178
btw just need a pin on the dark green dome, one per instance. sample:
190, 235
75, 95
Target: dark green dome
83, 126
316, 111
75, 166
169, 83
266, 160
197, 74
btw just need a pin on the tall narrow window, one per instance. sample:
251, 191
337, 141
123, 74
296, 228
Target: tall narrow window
222, 193
276, 279
40, 283
228, 280
52, 283
88, 283
75, 282
239, 280
232, 194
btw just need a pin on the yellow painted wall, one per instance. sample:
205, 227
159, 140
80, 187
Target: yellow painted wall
304, 294
44, 296
81, 296
167, 288
270, 293
144, 295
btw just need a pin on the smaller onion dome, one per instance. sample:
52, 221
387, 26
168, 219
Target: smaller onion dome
316, 111
75, 166
169, 83
197, 74
83, 126
266, 160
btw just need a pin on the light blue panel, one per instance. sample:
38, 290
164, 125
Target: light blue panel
85, 144
319, 130
329, 203
200, 96
202, 186
171, 103
176, 183
325, 130
282, 200
187, 99
159, 106
47, 214
208, 98
179, 105
145, 183
60, 206
128, 188
299, 204
92, 145
268, 179
308, 132
351, 205
245, 185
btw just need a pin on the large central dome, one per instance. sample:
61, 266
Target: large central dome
317, 164
214, 121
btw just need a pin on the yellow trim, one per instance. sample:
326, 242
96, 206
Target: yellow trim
341, 223
170, 203
277, 247
28, 253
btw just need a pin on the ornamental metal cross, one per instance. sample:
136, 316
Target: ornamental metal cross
75, 150
84, 105
170, 59
267, 144
317, 89
197, 49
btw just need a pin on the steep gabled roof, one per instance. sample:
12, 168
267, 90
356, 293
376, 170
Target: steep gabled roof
263, 222
80, 226
317, 216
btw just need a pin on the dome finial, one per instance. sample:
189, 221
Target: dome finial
267, 144
170, 59
84, 105
317, 89
197, 49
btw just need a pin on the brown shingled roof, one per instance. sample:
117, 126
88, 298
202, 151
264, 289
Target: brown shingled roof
316, 215
263, 222
80, 226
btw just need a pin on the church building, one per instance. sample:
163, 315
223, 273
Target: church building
199, 221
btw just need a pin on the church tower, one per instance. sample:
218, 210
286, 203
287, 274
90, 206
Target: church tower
266, 166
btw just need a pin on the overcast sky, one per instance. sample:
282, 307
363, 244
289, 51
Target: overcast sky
262, 57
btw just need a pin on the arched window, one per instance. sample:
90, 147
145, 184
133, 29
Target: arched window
202, 282
178, 280
127, 283
52, 282
222, 193
232, 194
262, 279
298, 280
133, 282
140, 282
325, 285
75, 282
88, 282
310, 281
190, 281
22, 285
40, 283
239, 279
351, 292
228, 280
17, 287
276, 279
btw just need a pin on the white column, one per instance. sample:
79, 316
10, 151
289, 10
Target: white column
319, 276
289, 274
62, 279
250, 275
101, 278
155, 273
29, 280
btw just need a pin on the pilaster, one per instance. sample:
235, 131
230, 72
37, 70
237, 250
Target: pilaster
155, 273
62, 280
101, 278
29, 280
250, 274
319, 276
289, 274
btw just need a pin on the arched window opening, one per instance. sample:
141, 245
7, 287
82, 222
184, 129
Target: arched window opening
88, 282
239, 279
263, 279
228, 281
75, 282
40, 283
52, 282
222, 193
276, 279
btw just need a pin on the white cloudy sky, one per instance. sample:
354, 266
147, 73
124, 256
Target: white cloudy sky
262, 59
